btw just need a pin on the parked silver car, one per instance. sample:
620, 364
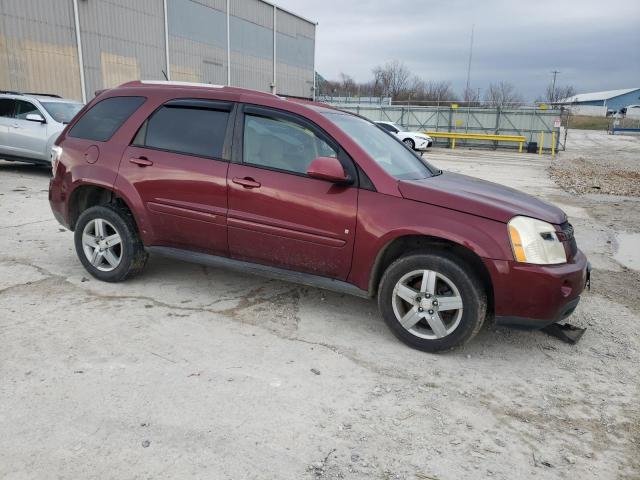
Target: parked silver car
30, 123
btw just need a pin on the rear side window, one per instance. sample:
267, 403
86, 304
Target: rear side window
102, 120
192, 131
6, 107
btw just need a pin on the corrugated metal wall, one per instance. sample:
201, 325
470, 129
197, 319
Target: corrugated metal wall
121, 41
198, 40
38, 48
251, 35
295, 55
528, 122
124, 40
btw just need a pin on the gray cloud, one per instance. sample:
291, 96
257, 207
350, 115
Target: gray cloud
594, 44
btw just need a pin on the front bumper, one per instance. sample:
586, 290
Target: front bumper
422, 144
534, 296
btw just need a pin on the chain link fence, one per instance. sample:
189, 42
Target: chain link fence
535, 124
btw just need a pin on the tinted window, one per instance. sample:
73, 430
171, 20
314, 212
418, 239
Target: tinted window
281, 144
102, 120
397, 160
194, 131
6, 107
25, 108
387, 127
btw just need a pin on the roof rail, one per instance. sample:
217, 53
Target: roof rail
42, 94
10, 92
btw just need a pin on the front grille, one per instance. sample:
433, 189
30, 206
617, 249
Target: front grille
565, 235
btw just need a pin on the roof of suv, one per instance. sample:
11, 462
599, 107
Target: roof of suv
41, 97
207, 87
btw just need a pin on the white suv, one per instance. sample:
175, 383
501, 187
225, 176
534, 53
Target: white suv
30, 123
413, 140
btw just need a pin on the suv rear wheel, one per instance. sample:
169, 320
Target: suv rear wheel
431, 302
107, 243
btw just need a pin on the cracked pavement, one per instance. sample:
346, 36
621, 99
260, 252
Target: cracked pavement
188, 371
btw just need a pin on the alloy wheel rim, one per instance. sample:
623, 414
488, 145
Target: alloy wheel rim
408, 143
102, 244
427, 304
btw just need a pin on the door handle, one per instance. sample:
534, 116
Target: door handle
141, 161
246, 182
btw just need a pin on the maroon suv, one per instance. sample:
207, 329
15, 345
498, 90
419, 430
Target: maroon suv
303, 192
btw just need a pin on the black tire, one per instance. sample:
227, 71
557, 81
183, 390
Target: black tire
133, 255
474, 299
409, 143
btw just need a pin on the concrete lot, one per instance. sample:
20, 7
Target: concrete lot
191, 372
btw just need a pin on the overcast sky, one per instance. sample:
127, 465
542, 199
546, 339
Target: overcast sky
595, 44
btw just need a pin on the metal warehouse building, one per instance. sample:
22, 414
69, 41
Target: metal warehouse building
598, 103
75, 47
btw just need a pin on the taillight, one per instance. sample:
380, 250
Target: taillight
56, 153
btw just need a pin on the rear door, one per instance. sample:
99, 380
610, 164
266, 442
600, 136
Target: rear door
277, 214
178, 163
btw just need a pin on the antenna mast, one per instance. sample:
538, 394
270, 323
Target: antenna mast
469, 65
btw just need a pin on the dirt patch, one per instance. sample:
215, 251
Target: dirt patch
580, 175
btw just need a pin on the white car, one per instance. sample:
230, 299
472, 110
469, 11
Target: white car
632, 111
30, 123
413, 140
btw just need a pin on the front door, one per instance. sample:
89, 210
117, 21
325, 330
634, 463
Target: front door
7, 108
28, 138
178, 164
277, 214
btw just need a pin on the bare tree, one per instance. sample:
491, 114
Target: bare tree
471, 97
391, 79
502, 94
348, 85
559, 93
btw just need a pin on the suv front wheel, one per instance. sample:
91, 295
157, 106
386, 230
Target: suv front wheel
107, 243
430, 302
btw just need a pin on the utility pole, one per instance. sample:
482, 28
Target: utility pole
466, 91
553, 86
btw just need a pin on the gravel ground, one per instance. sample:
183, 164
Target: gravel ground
192, 372
599, 163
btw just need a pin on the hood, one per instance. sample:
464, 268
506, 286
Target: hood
479, 197
417, 134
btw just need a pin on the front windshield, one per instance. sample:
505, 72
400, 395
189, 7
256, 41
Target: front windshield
62, 112
396, 159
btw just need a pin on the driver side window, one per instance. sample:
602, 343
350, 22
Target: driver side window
281, 144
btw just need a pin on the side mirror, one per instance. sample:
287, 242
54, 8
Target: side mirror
35, 117
328, 168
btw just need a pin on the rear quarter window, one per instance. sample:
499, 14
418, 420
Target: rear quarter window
101, 121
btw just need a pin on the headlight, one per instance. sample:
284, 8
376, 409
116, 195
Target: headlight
535, 241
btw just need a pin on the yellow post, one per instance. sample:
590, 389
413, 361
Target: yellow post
520, 147
553, 144
453, 144
541, 142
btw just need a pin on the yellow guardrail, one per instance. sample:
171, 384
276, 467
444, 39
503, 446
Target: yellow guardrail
478, 136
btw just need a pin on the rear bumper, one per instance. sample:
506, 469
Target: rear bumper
57, 201
534, 296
